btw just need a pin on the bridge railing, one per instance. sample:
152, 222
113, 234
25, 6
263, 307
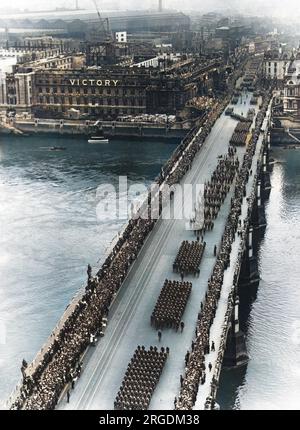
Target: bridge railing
230, 305
243, 245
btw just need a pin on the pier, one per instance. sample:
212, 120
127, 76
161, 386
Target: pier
112, 129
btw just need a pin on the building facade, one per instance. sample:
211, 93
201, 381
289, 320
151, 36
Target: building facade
99, 94
16, 89
107, 92
291, 91
275, 65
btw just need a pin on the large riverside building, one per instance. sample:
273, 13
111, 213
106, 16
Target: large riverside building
108, 92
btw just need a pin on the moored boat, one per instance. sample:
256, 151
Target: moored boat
98, 139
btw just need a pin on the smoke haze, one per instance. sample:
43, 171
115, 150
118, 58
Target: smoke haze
276, 8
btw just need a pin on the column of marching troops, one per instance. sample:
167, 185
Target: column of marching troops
141, 377
174, 295
215, 192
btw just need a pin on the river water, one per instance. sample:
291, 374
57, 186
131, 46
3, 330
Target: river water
272, 377
49, 230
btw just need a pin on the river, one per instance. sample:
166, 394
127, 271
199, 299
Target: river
272, 377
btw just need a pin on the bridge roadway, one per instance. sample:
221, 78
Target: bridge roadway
129, 317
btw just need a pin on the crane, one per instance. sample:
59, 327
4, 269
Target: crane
103, 29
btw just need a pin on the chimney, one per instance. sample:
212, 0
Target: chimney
160, 6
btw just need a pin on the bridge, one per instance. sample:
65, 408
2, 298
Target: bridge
128, 324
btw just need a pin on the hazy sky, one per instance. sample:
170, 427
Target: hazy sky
270, 7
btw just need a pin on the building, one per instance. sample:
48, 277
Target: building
121, 36
58, 62
232, 34
77, 23
95, 93
274, 68
16, 87
108, 92
275, 64
105, 53
161, 61
291, 90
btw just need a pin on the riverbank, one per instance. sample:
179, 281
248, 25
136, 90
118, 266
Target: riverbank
285, 137
112, 129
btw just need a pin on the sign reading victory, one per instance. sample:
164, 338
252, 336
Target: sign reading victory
94, 82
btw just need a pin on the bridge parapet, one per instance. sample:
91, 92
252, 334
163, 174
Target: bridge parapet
245, 249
